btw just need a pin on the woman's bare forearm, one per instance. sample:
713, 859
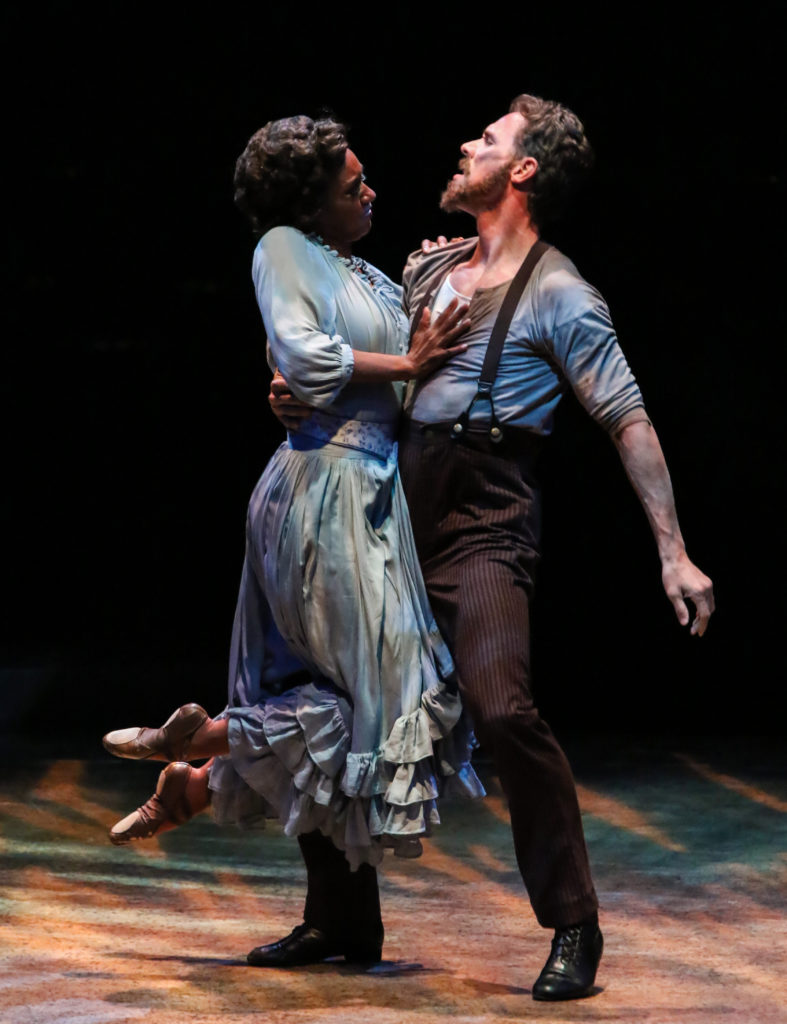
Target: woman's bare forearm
370, 367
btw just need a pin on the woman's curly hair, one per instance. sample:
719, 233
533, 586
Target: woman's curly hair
286, 169
556, 138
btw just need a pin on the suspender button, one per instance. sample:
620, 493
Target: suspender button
496, 434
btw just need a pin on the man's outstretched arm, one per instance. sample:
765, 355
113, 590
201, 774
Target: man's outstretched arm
645, 467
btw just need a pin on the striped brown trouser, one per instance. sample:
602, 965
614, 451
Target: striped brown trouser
475, 521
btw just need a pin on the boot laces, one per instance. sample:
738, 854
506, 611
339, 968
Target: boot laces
566, 942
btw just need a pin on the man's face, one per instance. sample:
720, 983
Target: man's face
484, 170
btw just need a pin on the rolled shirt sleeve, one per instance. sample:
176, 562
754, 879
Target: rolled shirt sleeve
579, 339
296, 294
587, 351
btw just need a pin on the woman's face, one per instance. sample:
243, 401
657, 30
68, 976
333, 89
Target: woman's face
346, 215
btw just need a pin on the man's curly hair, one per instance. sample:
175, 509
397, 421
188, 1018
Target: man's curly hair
286, 169
556, 138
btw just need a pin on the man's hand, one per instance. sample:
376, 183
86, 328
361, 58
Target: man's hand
684, 581
288, 410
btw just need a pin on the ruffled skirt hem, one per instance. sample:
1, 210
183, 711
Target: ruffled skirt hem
290, 759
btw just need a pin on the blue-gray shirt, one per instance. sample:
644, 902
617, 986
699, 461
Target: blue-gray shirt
561, 335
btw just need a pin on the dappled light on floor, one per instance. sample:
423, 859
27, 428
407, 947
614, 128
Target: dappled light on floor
688, 853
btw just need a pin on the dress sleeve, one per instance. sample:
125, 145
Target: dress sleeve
296, 293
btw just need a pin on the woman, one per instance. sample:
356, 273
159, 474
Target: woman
342, 718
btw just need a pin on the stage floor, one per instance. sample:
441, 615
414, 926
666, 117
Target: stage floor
687, 839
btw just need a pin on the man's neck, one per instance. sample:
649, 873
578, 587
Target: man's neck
505, 236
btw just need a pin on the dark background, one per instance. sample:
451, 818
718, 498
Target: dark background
134, 381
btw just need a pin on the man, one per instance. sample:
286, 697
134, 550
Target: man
467, 470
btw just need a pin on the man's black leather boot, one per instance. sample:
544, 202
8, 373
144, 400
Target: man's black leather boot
305, 945
570, 971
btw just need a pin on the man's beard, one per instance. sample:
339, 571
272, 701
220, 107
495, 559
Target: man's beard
475, 197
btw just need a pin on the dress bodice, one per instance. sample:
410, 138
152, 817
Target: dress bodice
317, 310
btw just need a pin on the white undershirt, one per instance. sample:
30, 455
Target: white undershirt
445, 293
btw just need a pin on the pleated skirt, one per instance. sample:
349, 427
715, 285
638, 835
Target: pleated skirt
343, 711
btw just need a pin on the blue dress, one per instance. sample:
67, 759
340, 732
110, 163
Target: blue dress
342, 711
